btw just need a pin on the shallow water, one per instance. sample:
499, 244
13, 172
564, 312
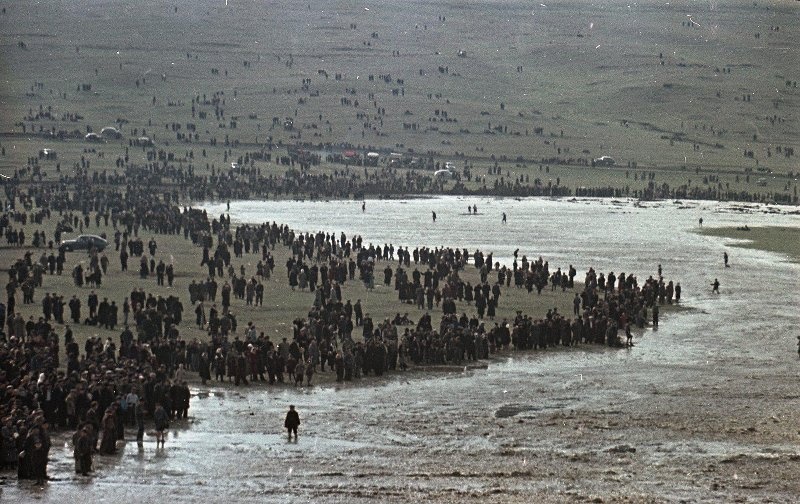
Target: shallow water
541, 424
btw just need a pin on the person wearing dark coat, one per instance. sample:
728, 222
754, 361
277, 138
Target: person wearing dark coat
82, 451
204, 368
138, 414
109, 439
161, 419
292, 422
37, 444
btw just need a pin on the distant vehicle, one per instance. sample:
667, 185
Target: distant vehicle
443, 174
395, 159
371, 158
49, 154
143, 142
110, 132
604, 161
762, 182
450, 166
84, 242
93, 137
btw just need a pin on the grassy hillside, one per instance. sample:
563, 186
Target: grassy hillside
696, 94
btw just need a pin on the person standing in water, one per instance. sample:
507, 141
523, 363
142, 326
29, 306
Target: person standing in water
292, 422
162, 421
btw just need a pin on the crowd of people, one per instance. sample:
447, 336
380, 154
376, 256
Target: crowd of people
109, 384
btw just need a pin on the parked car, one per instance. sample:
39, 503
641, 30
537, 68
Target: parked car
84, 242
604, 161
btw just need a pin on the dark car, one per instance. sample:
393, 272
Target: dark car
604, 161
84, 242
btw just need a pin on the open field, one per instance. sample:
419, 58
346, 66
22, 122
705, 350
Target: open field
701, 95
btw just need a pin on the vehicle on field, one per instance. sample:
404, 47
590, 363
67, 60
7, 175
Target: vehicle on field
84, 242
110, 132
604, 161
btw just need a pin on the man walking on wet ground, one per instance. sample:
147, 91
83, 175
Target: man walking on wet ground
715, 286
725, 258
292, 422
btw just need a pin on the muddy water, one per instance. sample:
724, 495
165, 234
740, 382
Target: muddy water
704, 409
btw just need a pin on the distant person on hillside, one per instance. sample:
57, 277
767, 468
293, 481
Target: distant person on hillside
434, 216
725, 258
715, 286
701, 222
